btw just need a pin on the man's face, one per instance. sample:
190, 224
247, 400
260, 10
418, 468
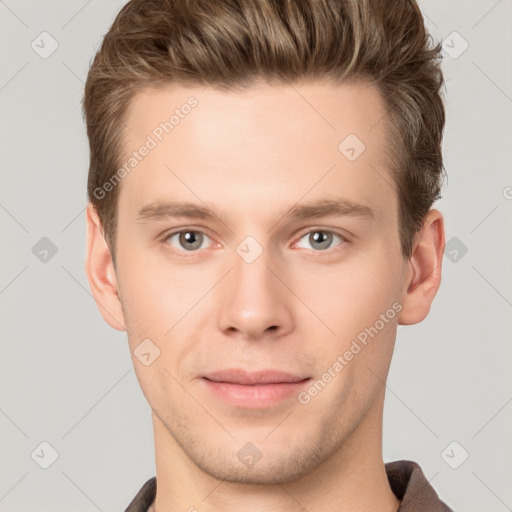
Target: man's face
254, 287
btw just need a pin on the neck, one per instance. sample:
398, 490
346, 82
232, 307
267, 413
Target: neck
352, 479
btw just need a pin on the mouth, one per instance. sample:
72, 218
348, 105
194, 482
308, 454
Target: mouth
255, 390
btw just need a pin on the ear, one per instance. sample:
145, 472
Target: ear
424, 274
101, 272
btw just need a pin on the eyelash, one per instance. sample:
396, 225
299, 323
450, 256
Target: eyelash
315, 230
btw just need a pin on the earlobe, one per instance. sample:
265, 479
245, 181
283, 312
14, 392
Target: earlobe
424, 276
101, 273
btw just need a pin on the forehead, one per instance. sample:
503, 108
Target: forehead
269, 143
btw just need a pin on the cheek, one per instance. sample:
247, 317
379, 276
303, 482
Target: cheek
151, 290
350, 294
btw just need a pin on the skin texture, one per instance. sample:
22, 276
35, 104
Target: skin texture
250, 157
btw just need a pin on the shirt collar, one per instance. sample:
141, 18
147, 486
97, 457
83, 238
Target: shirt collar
406, 480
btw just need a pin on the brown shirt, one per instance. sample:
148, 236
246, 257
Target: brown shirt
406, 480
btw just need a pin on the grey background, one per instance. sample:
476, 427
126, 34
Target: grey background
67, 377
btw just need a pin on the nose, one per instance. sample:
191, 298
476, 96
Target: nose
255, 302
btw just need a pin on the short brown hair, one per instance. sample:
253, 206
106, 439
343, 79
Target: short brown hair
230, 44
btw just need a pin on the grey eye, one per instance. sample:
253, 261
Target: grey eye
188, 239
321, 239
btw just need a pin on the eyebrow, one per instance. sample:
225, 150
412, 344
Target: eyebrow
317, 209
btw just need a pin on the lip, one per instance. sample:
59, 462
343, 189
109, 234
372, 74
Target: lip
245, 378
255, 390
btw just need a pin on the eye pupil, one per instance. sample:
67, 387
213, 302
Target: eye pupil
193, 238
321, 237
